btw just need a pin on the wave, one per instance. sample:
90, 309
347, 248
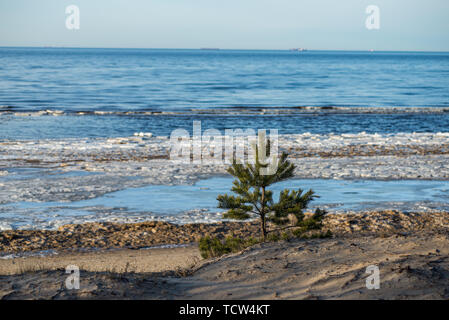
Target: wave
236, 110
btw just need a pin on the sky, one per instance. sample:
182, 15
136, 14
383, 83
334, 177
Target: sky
405, 25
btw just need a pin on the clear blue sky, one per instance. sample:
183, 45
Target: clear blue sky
228, 24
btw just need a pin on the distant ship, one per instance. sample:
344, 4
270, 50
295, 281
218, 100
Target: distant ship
298, 49
210, 48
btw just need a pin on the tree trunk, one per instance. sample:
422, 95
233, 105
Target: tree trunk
262, 216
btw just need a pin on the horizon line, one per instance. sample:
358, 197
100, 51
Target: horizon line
218, 49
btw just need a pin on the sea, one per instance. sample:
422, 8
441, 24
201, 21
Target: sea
74, 94
115, 92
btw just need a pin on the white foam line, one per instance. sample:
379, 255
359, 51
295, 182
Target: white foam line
242, 111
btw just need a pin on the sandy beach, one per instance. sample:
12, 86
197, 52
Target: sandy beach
113, 261
411, 267
300, 152
413, 260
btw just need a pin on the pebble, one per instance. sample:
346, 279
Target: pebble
151, 233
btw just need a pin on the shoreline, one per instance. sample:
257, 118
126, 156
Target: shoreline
410, 249
413, 263
109, 235
144, 235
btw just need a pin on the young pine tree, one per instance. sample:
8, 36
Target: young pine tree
253, 198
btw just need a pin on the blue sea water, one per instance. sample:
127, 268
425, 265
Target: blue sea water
117, 92
143, 79
339, 194
158, 80
170, 202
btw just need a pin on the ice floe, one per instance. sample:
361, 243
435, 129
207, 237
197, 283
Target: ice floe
68, 170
